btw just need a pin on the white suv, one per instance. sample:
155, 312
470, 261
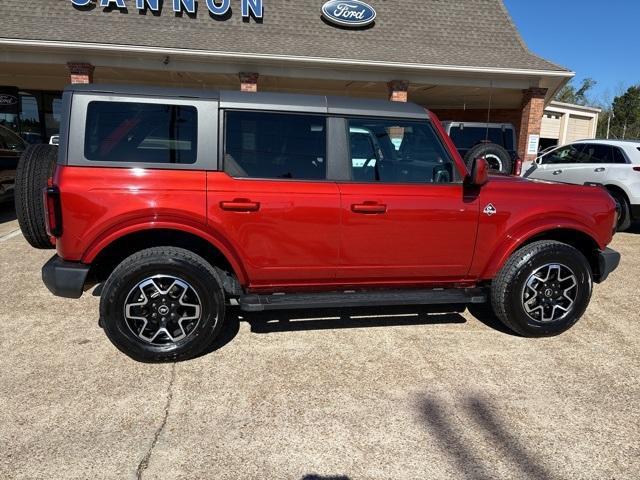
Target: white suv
614, 164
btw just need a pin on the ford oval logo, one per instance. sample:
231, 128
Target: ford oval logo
348, 13
8, 99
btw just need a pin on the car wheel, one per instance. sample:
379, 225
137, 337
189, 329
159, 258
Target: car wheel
497, 157
35, 167
162, 304
624, 211
543, 289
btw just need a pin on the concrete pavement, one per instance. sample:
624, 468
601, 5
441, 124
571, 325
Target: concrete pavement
405, 395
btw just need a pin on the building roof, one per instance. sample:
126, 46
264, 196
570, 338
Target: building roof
470, 33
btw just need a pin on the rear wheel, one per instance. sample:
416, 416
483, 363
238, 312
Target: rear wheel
543, 289
162, 304
35, 167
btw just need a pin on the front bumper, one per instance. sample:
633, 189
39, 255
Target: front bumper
64, 279
608, 261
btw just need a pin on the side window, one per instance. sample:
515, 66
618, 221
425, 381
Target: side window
398, 151
617, 155
10, 141
596, 153
275, 145
566, 154
141, 133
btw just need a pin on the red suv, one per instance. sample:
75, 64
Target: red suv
177, 201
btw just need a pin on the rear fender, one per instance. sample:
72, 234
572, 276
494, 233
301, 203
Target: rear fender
206, 233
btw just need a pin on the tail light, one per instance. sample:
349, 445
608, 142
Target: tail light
517, 169
53, 211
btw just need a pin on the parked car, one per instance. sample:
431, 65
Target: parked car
613, 164
11, 147
494, 141
178, 201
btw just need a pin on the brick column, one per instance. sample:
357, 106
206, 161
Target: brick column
81, 72
398, 90
531, 119
248, 81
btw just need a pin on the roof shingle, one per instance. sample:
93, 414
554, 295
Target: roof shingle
473, 33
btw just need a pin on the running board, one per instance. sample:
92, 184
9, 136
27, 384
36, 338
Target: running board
294, 301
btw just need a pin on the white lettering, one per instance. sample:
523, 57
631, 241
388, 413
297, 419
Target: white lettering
345, 10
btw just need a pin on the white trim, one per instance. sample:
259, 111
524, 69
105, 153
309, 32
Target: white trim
279, 58
573, 106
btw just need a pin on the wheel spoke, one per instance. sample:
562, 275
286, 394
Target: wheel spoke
161, 310
550, 292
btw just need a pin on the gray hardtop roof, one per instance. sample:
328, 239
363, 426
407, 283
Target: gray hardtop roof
267, 100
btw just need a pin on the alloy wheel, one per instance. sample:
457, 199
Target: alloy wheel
550, 292
162, 310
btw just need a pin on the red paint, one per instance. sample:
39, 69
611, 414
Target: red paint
294, 235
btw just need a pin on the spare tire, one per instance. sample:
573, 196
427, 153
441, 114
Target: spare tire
497, 157
35, 167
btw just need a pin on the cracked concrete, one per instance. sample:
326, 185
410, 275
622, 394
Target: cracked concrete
144, 463
389, 393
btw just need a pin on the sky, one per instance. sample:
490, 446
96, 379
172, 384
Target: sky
594, 38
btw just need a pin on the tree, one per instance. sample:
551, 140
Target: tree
625, 119
578, 95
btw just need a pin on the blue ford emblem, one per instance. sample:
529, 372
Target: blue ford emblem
349, 13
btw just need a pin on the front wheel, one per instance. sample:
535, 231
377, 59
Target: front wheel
543, 289
162, 304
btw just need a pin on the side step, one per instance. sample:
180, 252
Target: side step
294, 301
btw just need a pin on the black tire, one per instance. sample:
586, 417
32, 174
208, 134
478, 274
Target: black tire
508, 288
162, 263
35, 167
498, 158
624, 216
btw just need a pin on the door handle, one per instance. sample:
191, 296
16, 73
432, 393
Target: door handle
557, 172
599, 169
368, 207
240, 205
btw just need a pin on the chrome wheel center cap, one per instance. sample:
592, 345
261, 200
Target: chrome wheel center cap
163, 309
547, 293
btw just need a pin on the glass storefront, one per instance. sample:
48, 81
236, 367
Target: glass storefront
37, 118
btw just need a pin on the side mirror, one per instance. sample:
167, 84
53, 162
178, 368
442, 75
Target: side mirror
479, 172
538, 161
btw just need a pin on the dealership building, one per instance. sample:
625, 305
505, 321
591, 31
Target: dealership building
464, 60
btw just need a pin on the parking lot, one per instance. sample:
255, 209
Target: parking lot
342, 394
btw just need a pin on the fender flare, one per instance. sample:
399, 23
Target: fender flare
106, 238
522, 234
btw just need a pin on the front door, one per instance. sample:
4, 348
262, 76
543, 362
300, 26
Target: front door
273, 202
405, 216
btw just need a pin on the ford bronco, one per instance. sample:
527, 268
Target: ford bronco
178, 202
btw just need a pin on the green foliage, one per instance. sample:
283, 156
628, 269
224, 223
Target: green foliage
577, 95
625, 119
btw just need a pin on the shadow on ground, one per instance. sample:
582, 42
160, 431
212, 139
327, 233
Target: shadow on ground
341, 318
448, 429
7, 212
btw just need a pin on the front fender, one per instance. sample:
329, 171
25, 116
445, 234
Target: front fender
521, 234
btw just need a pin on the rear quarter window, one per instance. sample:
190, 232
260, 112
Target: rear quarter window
141, 133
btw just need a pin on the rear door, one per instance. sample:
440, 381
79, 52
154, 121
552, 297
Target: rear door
405, 216
599, 162
273, 201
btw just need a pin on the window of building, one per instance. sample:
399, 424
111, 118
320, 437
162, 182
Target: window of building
398, 151
141, 133
275, 145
